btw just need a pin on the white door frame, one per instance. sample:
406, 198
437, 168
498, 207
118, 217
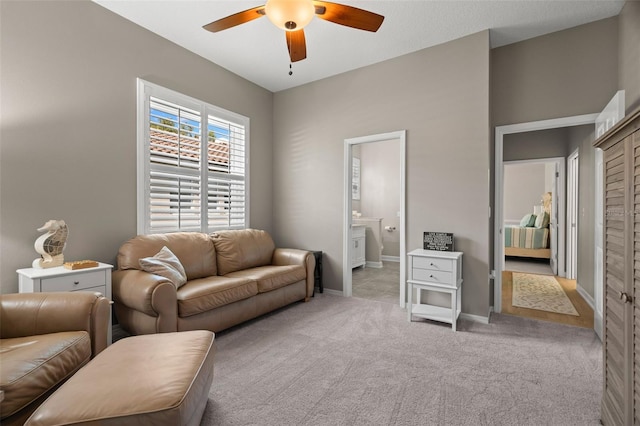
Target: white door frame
573, 171
498, 246
347, 289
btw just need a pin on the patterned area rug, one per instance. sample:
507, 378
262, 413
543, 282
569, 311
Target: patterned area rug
541, 292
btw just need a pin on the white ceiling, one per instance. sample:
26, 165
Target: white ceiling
257, 50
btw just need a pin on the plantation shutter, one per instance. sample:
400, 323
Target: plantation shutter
174, 156
183, 189
226, 175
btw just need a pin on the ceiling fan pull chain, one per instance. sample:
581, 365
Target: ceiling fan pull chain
290, 70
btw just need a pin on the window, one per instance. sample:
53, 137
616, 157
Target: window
179, 187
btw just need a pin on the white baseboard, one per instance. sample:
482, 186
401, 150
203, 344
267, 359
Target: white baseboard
586, 296
333, 292
598, 324
375, 265
475, 318
390, 258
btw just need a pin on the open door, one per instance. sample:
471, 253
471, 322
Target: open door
553, 220
610, 115
572, 215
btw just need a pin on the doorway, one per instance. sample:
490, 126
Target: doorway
352, 189
533, 190
501, 131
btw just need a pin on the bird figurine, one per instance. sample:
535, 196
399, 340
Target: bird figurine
51, 244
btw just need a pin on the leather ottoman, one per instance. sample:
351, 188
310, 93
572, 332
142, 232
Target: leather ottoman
158, 379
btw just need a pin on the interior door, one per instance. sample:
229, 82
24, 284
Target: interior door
553, 221
572, 215
610, 115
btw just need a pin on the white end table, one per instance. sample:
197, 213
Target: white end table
97, 279
439, 271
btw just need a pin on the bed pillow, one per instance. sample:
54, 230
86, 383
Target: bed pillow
167, 265
528, 220
542, 221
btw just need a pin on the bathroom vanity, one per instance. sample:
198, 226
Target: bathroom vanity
373, 242
358, 245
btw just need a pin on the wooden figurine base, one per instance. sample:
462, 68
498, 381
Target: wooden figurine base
81, 264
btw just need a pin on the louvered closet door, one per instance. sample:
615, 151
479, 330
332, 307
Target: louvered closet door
614, 342
636, 279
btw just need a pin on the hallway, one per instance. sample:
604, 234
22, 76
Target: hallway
585, 318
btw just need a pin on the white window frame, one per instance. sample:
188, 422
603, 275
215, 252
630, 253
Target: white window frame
145, 90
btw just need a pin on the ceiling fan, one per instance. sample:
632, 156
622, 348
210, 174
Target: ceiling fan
293, 15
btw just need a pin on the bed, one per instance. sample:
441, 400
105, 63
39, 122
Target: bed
526, 241
531, 237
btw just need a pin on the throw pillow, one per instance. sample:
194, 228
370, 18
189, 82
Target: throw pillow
167, 265
528, 220
542, 221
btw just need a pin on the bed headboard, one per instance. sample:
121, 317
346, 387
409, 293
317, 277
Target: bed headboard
546, 202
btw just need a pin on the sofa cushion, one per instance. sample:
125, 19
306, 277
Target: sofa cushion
205, 294
32, 365
195, 251
242, 249
165, 264
272, 277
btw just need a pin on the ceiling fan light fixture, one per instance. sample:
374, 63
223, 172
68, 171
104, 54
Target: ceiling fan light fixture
290, 15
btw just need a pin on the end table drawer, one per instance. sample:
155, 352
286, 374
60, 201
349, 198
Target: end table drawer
100, 289
74, 282
433, 263
439, 277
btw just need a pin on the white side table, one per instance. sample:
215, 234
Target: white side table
34, 280
439, 271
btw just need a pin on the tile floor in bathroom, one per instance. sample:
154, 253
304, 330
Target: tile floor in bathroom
381, 284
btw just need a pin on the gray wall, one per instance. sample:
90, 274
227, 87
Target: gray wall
533, 145
629, 53
441, 97
524, 185
68, 130
380, 168
581, 138
562, 74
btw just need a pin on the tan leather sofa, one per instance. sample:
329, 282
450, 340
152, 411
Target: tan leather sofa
44, 339
232, 276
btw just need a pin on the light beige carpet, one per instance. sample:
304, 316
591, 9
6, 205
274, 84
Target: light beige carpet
345, 361
540, 292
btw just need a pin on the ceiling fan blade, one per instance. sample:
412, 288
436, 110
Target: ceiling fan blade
296, 45
235, 19
348, 16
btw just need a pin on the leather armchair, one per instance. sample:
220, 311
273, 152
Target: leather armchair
44, 339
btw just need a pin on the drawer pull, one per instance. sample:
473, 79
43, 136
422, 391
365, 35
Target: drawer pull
76, 282
431, 276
